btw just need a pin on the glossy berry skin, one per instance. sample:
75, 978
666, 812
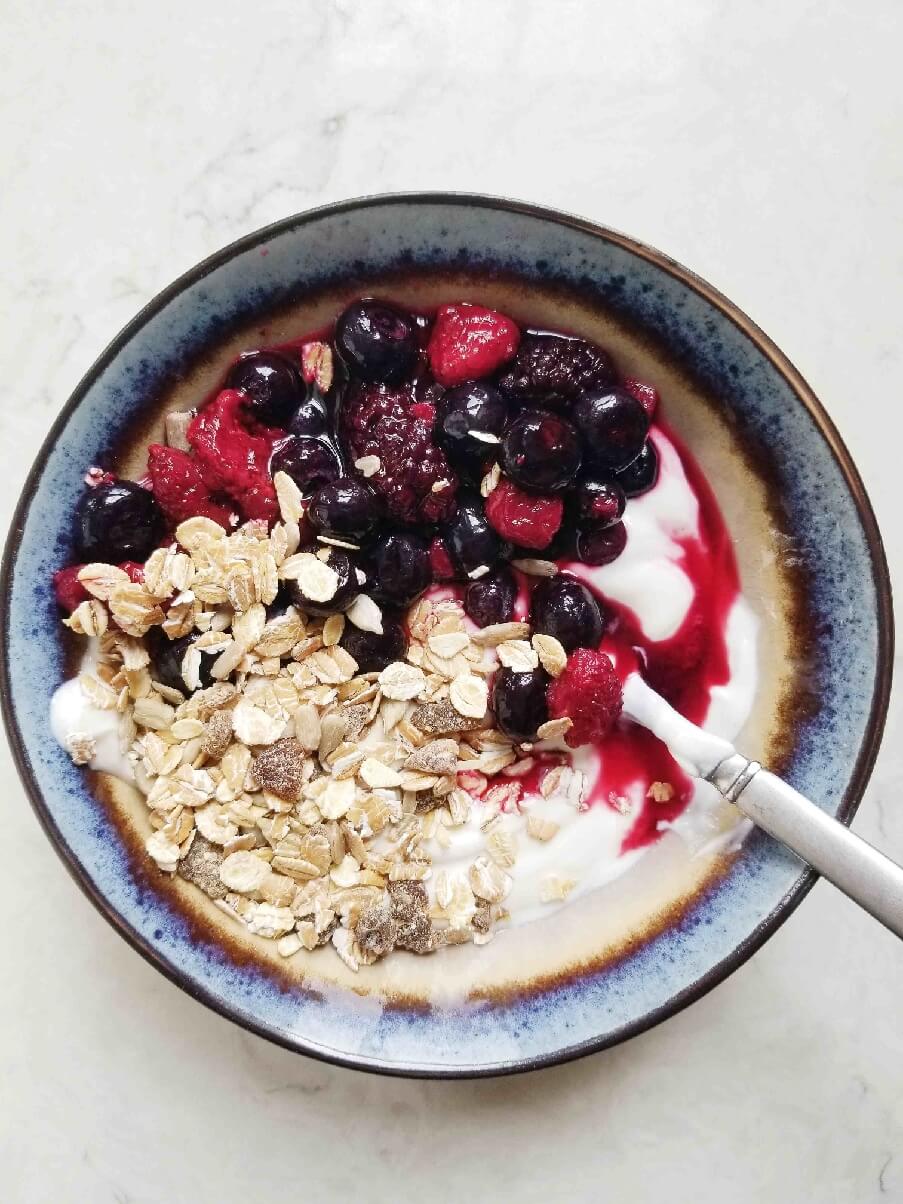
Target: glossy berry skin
599, 502
118, 521
310, 463
491, 599
377, 342
541, 451
398, 568
562, 547
563, 607
272, 385
280, 604
374, 652
167, 656
601, 545
310, 418
553, 370
440, 561
470, 539
346, 507
519, 702
614, 426
642, 473
463, 414
348, 588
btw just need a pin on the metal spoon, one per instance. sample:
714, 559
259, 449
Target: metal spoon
851, 863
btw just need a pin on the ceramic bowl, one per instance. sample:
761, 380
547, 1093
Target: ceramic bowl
811, 560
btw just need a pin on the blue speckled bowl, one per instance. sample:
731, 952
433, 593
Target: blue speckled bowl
825, 512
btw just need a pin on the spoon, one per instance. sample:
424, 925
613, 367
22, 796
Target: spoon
851, 863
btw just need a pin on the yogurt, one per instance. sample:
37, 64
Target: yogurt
71, 714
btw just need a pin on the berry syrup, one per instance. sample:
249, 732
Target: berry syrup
684, 668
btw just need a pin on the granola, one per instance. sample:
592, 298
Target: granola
303, 797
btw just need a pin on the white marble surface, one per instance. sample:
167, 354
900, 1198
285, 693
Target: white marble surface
761, 145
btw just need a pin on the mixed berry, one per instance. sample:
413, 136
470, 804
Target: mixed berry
429, 451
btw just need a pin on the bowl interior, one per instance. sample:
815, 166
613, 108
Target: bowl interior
810, 562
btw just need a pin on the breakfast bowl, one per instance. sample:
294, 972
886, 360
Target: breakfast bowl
579, 958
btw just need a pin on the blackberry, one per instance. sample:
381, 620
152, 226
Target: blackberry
379, 422
550, 368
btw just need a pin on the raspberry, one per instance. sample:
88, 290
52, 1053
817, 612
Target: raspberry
230, 457
440, 561
260, 502
646, 395
523, 518
379, 421
588, 693
180, 488
70, 593
468, 342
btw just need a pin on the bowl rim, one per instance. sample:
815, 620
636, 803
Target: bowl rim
868, 750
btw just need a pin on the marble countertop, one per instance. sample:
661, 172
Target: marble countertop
762, 149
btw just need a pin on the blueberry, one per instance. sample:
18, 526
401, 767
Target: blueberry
280, 604
491, 599
641, 474
346, 507
272, 384
614, 426
167, 656
599, 502
119, 521
377, 342
541, 451
310, 418
371, 651
399, 568
519, 702
554, 370
601, 545
464, 414
348, 588
309, 462
470, 540
561, 606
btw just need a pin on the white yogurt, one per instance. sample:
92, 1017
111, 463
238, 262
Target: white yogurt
72, 714
647, 576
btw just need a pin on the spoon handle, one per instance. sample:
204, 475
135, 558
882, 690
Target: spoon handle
851, 863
